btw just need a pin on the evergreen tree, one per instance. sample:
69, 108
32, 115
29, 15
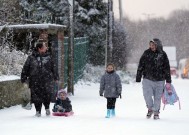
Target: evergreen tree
120, 48
46, 11
90, 20
9, 12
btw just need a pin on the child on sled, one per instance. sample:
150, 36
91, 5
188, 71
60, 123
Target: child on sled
62, 106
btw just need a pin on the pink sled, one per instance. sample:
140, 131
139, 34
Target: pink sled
66, 114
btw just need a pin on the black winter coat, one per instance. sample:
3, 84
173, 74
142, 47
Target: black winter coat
154, 66
65, 104
40, 71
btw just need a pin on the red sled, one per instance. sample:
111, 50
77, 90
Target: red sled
66, 114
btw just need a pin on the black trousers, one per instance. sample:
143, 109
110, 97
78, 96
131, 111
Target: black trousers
38, 106
111, 103
41, 96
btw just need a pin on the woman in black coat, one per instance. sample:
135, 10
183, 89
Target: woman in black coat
39, 69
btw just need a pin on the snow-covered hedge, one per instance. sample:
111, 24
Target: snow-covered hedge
11, 61
94, 74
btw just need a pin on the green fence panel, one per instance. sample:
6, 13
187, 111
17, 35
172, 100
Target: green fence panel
80, 57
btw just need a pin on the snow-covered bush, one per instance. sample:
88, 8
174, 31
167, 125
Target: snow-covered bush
94, 74
11, 61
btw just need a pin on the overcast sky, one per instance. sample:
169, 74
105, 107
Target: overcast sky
140, 9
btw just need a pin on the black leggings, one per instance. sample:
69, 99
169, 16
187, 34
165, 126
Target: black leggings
111, 103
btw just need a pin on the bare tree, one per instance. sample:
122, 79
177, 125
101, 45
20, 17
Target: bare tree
173, 31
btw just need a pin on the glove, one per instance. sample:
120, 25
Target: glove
168, 88
120, 96
138, 79
101, 95
60, 108
25, 85
26, 94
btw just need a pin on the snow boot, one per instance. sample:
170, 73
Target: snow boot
156, 117
149, 114
108, 113
113, 112
48, 112
38, 114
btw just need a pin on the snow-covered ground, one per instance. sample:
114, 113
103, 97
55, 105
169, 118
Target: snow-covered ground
90, 110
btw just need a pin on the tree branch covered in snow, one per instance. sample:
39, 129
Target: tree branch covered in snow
53, 11
9, 12
11, 61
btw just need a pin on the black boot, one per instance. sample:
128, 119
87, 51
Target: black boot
149, 114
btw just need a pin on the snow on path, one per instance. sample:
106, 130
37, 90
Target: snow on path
90, 111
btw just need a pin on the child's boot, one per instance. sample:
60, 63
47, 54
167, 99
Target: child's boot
113, 112
108, 113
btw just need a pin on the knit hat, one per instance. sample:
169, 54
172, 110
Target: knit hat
62, 91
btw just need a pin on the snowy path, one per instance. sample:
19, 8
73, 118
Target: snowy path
90, 110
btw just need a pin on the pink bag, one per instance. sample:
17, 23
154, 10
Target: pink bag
168, 98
